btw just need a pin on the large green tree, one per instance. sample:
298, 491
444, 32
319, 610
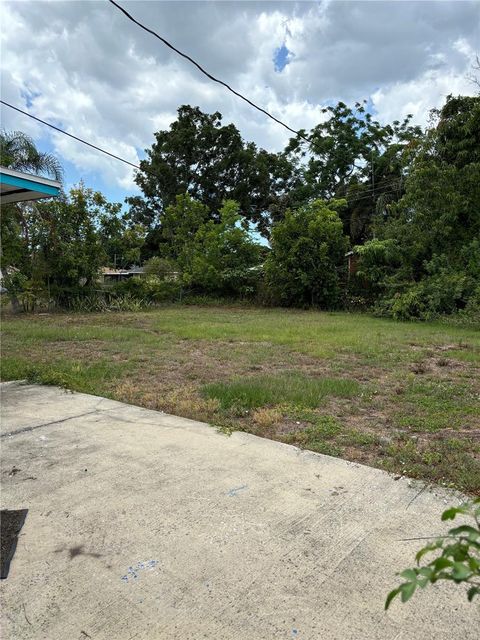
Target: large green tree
209, 161
65, 247
307, 258
351, 155
426, 256
216, 257
224, 260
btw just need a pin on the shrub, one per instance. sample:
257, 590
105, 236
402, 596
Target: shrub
308, 256
99, 302
459, 559
150, 288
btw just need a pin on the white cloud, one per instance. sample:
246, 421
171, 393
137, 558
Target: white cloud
88, 69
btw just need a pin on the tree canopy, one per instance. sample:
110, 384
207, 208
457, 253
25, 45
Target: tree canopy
406, 200
209, 161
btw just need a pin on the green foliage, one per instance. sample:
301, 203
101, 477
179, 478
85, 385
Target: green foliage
121, 242
59, 247
409, 199
181, 221
100, 303
150, 289
425, 260
160, 268
353, 156
66, 250
223, 259
210, 162
210, 257
459, 559
18, 151
308, 256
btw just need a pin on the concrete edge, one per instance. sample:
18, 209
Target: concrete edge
188, 424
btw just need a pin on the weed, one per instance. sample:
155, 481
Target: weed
317, 437
266, 417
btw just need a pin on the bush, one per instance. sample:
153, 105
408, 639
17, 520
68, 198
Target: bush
308, 256
150, 288
442, 293
99, 302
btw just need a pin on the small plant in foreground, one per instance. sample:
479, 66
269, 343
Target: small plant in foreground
458, 561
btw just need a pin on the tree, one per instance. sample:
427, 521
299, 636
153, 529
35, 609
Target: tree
121, 242
224, 260
61, 242
66, 248
308, 256
350, 155
179, 226
433, 232
18, 152
216, 257
210, 162
160, 268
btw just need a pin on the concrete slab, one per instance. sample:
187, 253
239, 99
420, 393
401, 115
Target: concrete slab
147, 526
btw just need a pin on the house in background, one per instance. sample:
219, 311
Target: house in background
110, 276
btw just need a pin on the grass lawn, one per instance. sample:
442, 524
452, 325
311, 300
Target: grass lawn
404, 397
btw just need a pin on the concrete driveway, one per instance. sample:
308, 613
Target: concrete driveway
142, 525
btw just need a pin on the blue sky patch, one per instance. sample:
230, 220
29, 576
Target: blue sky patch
281, 58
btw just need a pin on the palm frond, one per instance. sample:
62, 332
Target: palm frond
18, 151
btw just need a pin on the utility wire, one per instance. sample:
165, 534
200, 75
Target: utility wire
205, 72
70, 135
361, 196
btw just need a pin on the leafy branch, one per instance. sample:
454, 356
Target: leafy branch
459, 558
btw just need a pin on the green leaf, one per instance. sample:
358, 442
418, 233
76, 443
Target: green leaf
441, 563
449, 514
409, 574
460, 571
407, 590
472, 533
391, 596
474, 565
422, 582
425, 571
422, 552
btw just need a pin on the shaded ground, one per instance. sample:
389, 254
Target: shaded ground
404, 397
11, 523
149, 526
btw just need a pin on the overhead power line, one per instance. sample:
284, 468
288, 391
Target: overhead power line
205, 72
353, 198
70, 135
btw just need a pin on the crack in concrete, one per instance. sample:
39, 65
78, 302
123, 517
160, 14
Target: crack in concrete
46, 424
419, 493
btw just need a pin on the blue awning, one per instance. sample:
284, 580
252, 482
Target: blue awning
19, 187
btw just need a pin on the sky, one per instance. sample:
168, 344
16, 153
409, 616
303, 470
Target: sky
83, 66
